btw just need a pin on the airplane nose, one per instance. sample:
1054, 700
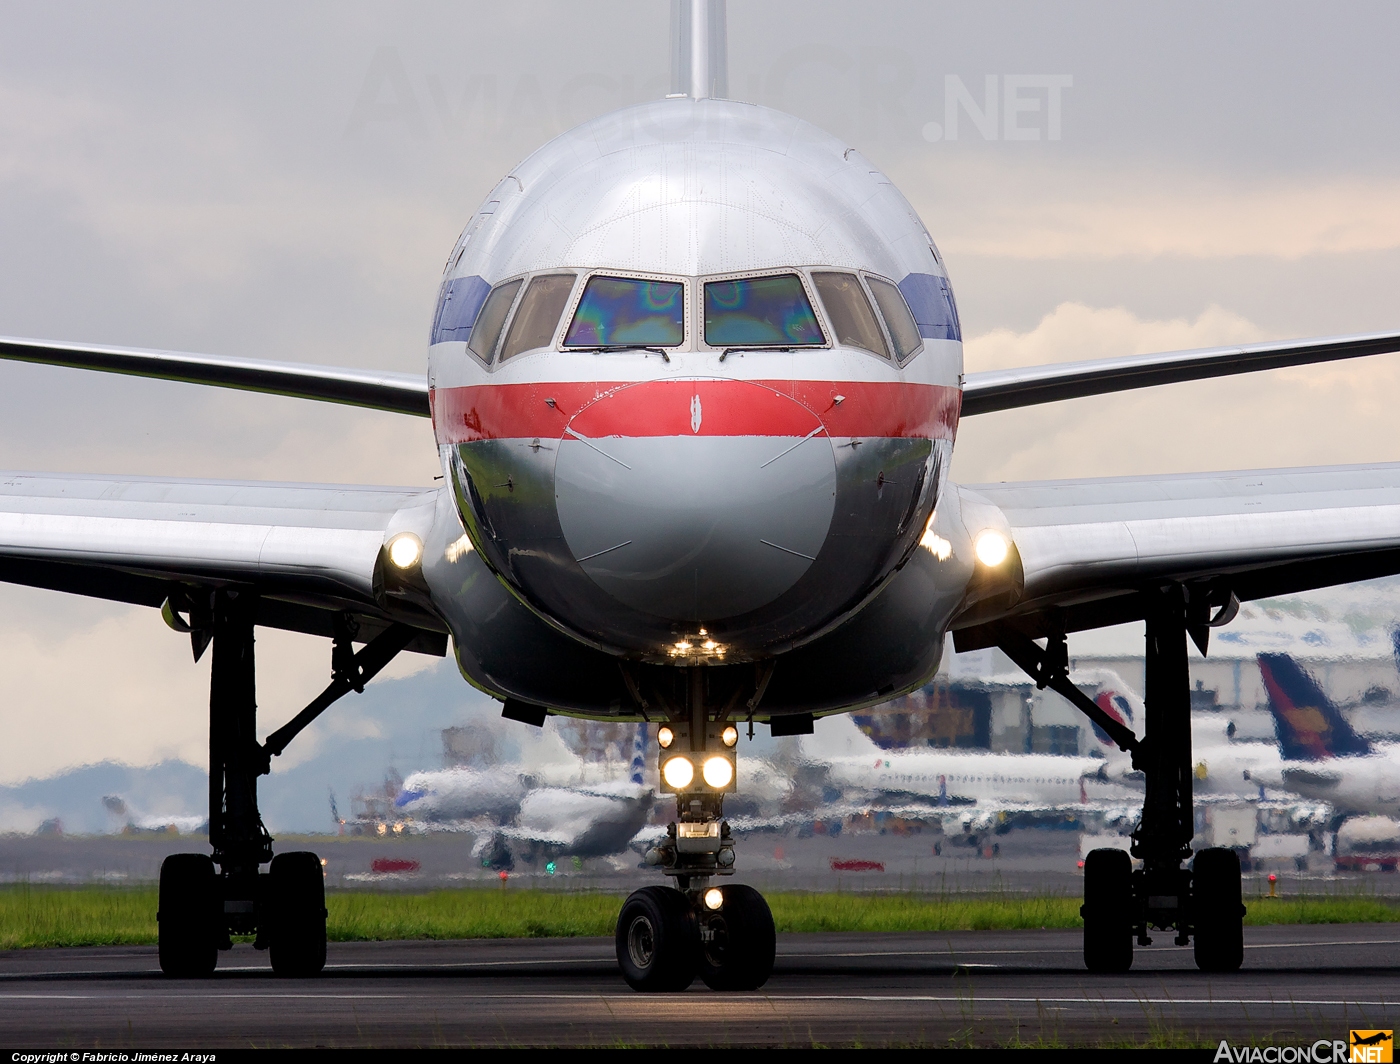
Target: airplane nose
695, 500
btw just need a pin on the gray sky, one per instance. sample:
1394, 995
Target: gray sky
284, 182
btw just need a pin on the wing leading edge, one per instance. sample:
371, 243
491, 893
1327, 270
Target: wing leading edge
1089, 549
1007, 389
401, 393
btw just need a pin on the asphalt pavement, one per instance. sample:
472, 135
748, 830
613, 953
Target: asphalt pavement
1299, 984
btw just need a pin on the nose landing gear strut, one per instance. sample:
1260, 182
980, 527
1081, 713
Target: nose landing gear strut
666, 936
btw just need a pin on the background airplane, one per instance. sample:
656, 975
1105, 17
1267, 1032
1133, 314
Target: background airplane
1321, 755
552, 803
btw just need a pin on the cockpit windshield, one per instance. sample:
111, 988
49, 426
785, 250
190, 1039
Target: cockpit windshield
628, 312
760, 312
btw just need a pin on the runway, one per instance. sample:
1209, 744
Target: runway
966, 988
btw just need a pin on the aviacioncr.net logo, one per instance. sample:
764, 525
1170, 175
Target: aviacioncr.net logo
1374, 1047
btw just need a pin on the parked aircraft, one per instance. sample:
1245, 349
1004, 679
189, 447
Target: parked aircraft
553, 806
695, 376
129, 819
1322, 756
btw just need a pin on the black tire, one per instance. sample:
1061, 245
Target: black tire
1108, 911
739, 955
1218, 910
296, 909
658, 942
189, 918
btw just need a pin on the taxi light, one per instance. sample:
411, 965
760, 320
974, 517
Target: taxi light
665, 737
678, 772
714, 899
729, 736
718, 772
991, 548
405, 549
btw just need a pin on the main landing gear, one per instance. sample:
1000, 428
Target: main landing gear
667, 935
1202, 903
205, 899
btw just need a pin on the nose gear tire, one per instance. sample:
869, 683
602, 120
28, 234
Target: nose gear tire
190, 915
1108, 911
297, 914
739, 954
658, 940
1219, 910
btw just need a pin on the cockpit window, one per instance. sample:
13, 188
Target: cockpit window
538, 315
903, 331
849, 311
628, 312
492, 318
760, 312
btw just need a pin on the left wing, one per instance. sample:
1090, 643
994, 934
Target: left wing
1089, 549
1007, 389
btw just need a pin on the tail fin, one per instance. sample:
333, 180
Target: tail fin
1117, 706
1309, 725
639, 755
837, 736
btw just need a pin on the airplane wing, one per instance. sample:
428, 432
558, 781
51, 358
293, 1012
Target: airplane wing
1006, 389
1089, 549
402, 393
311, 551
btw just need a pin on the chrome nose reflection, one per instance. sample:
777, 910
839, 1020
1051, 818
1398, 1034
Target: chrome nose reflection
672, 502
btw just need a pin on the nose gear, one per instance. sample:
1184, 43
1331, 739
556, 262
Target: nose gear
667, 935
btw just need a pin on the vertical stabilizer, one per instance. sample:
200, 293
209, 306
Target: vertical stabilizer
639, 755
699, 49
1309, 725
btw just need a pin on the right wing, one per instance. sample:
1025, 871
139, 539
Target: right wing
401, 393
312, 552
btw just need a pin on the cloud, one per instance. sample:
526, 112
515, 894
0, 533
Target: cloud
86, 681
1053, 210
1073, 331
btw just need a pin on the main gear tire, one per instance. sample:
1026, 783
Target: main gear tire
742, 942
189, 916
296, 913
1217, 906
657, 940
1108, 911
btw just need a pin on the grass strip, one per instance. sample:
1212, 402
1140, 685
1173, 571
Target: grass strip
41, 916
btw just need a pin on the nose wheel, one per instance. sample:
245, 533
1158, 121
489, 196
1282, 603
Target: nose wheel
665, 937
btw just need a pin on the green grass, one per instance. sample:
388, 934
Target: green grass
101, 916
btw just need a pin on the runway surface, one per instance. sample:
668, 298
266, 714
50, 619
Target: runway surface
966, 988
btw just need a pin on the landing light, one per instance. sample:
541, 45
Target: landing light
714, 899
678, 772
405, 549
991, 548
729, 736
665, 736
718, 772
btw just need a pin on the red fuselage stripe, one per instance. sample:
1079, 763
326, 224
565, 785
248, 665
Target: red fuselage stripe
669, 408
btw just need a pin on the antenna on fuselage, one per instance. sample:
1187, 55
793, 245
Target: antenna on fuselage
699, 49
